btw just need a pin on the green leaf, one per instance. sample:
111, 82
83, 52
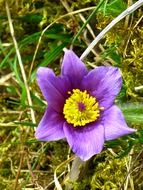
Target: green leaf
113, 8
52, 54
25, 123
31, 18
29, 39
15, 68
6, 58
23, 96
133, 112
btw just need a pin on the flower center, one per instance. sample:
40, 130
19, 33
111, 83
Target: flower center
81, 108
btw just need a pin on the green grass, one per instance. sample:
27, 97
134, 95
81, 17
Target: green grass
42, 29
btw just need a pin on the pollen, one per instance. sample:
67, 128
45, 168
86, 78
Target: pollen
81, 108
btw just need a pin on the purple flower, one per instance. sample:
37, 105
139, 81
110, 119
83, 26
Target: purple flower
81, 106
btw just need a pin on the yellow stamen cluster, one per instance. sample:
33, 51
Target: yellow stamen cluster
89, 112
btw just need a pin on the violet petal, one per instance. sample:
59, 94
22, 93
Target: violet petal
73, 67
50, 127
114, 124
104, 83
85, 141
53, 88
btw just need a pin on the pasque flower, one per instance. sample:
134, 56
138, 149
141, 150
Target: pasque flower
81, 106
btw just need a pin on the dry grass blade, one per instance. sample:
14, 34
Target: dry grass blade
45, 29
20, 63
57, 184
109, 26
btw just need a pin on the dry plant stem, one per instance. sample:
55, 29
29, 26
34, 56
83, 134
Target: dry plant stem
5, 78
128, 40
109, 26
130, 2
128, 166
57, 184
10, 124
138, 88
68, 157
128, 27
34, 180
22, 154
45, 29
112, 152
69, 10
138, 22
127, 43
86, 40
131, 169
12, 166
88, 26
67, 7
19, 169
10, 112
52, 182
20, 63
87, 43
91, 32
